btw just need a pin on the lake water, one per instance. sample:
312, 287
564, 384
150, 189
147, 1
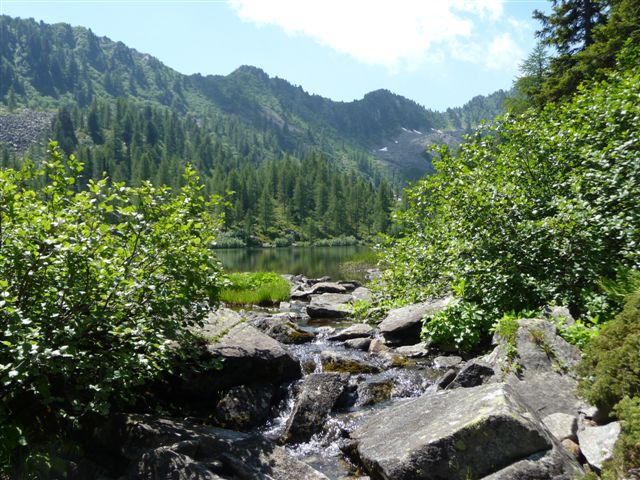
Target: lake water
310, 261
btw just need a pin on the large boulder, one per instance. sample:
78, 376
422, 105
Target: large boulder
540, 372
247, 356
402, 326
244, 407
457, 434
163, 448
318, 395
330, 305
339, 362
282, 327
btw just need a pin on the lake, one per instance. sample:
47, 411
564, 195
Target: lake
310, 261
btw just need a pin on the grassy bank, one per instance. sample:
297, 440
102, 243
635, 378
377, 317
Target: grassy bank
258, 288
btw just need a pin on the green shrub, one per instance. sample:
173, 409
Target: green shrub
460, 324
259, 288
610, 367
580, 333
227, 240
93, 286
531, 211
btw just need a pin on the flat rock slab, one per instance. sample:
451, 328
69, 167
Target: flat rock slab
596, 443
402, 326
359, 330
455, 435
330, 305
562, 425
447, 362
320, 287
319, 393
419, 350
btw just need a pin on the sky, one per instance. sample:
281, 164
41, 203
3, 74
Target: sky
439, 53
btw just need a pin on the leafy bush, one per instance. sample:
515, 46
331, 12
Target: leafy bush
610, 367
337, 242
258, 288
460, 324
531, 211
227, 240
580, 333
93, 287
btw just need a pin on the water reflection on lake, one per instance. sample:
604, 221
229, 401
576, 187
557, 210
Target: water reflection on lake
310, 261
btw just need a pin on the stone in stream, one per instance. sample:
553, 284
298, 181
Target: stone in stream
318, 395
402, 326
244, 407
338, 362
446, 362
282, 327
318, 288
163, 448
248, 356
374, 391
419, 350
330, 305
474, 373
457, 434
359, 330
358, 343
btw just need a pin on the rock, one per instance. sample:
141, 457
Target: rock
572, 447
282, 328
446, 362
545, 360
358, 343
448, 377
319, 393
596, 443
183, 449
457, 434
318, 288
562, 425
248, 356
559, 315
244, 407
338, 362
554, 464
350, 285
22, 129
373, 391
359, 330
474, 373
402, 326
330, 305
362, 293
391, 359
419, 350
377, 347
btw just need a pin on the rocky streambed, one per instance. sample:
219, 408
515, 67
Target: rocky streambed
306, 393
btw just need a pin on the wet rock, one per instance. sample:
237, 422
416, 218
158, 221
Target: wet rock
562, 425
359, 330
377, 347
448, 377
244, 407
282, 328
446, 362
338, 362
419, 350
474, 373
191, 451
358, 343
458, 434
248, 356
402, 326
319, 393
596, 443
374, 391
330, 305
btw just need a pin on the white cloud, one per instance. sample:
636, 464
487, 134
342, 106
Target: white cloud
503, 53
399, 34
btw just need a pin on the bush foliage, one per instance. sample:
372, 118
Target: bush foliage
93, 286
531, 211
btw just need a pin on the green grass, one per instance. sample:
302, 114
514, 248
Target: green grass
258, 288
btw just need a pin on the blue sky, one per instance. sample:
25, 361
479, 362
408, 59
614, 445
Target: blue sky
439, 53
